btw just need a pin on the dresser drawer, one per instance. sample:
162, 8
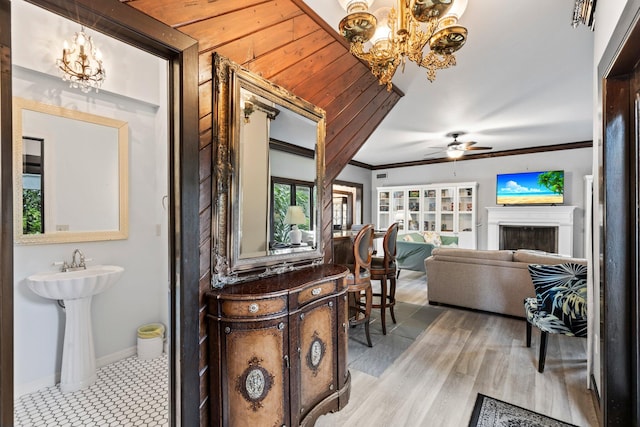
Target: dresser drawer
314, 292
254, 307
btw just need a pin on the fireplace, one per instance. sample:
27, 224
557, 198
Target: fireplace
527, 237
560, 218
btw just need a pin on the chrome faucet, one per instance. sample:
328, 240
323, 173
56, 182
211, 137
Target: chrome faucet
75, 264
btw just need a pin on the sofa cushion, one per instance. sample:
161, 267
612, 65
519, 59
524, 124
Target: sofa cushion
451, 241
432, 237
498, 255
539, 257
413, 237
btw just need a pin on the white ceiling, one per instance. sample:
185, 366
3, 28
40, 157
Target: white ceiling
523, 79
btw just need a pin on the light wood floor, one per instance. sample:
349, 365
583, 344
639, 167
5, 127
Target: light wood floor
435, 382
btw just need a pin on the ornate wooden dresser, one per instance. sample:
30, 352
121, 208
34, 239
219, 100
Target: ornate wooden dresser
278, 348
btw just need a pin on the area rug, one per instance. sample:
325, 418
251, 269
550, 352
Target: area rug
412, 320
490, 412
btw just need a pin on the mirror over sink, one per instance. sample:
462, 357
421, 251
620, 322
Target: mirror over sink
269, 167
70, 175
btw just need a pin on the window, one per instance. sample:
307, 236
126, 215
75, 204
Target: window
290, 192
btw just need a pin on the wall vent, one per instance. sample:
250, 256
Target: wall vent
381, 175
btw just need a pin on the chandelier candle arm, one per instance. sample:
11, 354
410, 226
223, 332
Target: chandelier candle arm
81, 64
388, 37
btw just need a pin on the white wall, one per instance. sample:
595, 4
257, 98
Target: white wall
576, 164
141, 295
362, 176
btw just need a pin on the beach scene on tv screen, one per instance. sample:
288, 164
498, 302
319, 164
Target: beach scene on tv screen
530, 188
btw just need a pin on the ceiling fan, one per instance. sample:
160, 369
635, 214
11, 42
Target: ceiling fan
456, 149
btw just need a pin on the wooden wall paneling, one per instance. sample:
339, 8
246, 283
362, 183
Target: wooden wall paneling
178, 13
351, 102
274, 62
358, 133
222, 29
335, 79
306, 71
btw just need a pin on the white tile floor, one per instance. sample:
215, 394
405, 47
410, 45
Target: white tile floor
131, 392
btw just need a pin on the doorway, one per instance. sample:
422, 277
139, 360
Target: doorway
347, 204
618, 225
126, 24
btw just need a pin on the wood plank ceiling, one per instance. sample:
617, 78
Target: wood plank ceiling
287, 43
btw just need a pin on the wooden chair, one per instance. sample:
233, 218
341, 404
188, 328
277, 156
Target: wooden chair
560, 305
384, 269
359, 280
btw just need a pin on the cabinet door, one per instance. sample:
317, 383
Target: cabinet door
398, 208
429, 212
413, 209
384, 219
256, 384
446, 204
466, 216
315, 343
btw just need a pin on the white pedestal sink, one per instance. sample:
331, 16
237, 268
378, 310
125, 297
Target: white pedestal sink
76, 288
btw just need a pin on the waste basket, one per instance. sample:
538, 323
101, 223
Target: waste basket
150, 340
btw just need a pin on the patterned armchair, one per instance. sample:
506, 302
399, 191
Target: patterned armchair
560, 305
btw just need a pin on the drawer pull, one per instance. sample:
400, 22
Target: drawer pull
316, 291
253, 308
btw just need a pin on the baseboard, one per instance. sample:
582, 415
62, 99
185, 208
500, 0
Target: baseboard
51, 380
115, 357
44, 382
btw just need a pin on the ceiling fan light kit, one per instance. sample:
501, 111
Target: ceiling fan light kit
388, 37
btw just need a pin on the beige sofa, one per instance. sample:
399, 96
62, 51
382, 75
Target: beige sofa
488, 280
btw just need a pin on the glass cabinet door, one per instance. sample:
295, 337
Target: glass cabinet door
384, 220
413, 213
447, 205
429, 209
465, 208
398, 208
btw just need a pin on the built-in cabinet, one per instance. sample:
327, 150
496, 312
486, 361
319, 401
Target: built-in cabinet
448, 208
278, 348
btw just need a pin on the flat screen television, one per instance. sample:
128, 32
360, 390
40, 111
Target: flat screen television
530, 188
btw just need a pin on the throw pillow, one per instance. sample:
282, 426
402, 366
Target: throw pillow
451, 241
432, 237
561, 290
413, 237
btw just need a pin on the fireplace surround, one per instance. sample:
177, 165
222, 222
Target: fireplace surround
560, 217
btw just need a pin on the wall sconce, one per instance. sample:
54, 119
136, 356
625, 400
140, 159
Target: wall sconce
247, 110
81, 64
295, 216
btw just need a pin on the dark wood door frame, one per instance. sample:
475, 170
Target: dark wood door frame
181, 51
619, 249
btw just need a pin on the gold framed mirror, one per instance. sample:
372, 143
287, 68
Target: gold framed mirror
70, 175
267, 206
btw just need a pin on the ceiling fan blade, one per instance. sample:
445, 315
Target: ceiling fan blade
479, 148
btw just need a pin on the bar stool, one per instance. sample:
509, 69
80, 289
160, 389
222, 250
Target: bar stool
359, 282
384, 269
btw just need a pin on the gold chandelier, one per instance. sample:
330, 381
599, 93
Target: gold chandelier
81, 64
394, 34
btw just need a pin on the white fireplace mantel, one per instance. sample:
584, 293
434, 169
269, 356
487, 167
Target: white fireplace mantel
536, 216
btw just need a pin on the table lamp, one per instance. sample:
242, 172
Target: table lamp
295, 216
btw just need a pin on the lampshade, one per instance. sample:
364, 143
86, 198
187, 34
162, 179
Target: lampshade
355, 5
295, 215
454, 153
458, 8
